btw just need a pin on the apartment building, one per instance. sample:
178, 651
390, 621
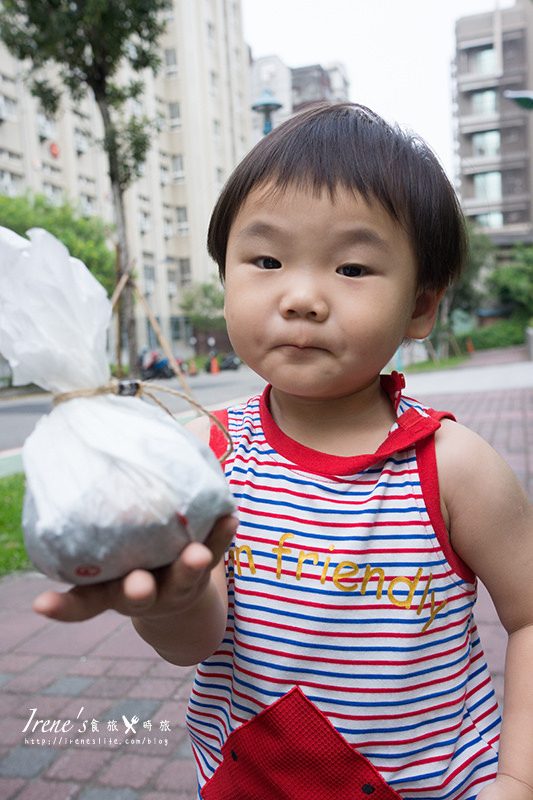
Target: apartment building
494, 136
201, 98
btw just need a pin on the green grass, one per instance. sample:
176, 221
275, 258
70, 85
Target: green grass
445, 363
12, 553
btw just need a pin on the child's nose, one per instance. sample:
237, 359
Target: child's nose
303, 298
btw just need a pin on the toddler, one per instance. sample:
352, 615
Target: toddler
332, 625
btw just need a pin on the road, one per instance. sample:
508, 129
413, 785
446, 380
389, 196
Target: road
19, 414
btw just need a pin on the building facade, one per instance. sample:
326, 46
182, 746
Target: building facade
494, 136
201, 99
294, 88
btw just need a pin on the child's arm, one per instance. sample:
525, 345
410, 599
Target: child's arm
490, 520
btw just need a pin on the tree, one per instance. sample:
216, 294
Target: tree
468, 291
89, 42
85, 238
513, 283
204, 306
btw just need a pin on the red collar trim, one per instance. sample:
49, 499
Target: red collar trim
411, 427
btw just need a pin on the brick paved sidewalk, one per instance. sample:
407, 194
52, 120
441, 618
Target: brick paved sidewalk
100, 670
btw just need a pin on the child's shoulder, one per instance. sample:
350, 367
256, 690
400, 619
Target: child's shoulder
488, 515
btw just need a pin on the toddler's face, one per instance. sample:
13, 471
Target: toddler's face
320, 293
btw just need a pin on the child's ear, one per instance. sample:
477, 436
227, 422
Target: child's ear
425, 313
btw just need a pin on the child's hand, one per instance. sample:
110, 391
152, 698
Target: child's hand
141, 593
506, 788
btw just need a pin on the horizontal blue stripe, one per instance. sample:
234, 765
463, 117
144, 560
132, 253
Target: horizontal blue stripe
349, 676
408, 621
327, 510
342, 647
328, 488
348, 703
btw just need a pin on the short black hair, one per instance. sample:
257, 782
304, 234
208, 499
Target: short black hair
348, 145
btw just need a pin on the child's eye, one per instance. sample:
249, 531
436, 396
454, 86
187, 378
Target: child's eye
352, 271
266, 262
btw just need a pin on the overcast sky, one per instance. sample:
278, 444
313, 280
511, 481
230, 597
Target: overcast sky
397, 52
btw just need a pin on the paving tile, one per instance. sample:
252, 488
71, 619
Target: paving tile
79, 765
27, 761
124, 643
178, 774
87, 665
69, 685
101, 793
49, 790
153, 688
132, 770
72, 640
9, 787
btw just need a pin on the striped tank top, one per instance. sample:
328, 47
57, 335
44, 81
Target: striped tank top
342, 583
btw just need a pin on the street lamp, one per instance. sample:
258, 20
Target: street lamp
522, 98
266, 105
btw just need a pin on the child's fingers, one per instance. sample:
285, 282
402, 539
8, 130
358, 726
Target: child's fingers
221, 536
135, 591
140, 591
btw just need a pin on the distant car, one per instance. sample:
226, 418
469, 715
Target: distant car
231, 361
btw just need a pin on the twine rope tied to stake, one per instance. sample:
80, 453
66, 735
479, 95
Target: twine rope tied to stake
135, 388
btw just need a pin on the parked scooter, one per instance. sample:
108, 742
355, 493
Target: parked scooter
154, 365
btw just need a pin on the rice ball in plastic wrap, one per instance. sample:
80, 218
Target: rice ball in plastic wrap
113, 483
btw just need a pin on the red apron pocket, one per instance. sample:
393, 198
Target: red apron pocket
290, 751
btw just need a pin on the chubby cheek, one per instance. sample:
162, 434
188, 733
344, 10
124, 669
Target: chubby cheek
242, 325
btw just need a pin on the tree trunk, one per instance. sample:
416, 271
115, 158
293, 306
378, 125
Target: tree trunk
124, 263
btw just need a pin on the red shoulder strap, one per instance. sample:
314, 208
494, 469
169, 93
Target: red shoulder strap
217, 441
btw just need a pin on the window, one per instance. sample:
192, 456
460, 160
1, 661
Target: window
171, 61
149, 279
46, 127
52, 193
167, 227
172, 282
182, 221
486, 144
217, 131
10, 184
144, 221
174, 114
492, 220
81, 141
213, 83
210, 35
8, 108
483, 60
184, 265
178, 170
164, 175
88, 205
484, 102
488, 186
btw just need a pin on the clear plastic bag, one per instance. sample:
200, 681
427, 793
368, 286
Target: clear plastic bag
113, 483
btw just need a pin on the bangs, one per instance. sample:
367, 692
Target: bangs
348, 146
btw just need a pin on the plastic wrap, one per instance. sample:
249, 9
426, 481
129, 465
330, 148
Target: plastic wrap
113, 483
